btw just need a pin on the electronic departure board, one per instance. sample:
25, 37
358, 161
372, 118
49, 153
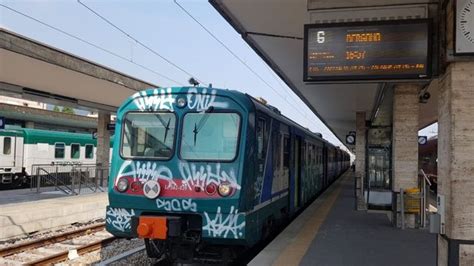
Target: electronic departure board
378, 50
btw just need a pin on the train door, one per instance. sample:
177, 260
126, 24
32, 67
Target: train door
297, 171
262, 153
7, 152
325, 166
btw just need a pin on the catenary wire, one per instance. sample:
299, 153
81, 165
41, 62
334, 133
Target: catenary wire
139, 42
237, 57
89, 43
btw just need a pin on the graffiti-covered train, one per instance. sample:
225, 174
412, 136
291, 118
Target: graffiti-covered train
20, 149
198, 168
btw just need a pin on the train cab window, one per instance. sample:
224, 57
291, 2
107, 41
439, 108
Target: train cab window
7, 145
75, 151
210, 136
89, 151
148, 135
59, 150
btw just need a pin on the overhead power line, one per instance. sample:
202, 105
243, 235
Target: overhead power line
139, 42
237, 57
88, 43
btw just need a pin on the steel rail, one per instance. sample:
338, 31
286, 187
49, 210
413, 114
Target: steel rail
50, 240
62, 256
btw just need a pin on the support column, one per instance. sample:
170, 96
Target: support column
456, 163
360, 159
103, 141
405, 142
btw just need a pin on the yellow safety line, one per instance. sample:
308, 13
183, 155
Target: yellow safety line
295, 251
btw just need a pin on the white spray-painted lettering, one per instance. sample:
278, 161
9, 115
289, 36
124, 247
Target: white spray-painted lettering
176, 205
144, 171
258, 186
222, 225
206, 175
119, 218
161, 99
202, 101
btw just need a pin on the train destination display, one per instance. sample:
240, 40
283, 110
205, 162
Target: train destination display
367, 51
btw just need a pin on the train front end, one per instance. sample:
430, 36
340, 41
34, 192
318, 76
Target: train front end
176, 173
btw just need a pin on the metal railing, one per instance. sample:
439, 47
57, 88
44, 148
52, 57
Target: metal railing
71, 179
424, 194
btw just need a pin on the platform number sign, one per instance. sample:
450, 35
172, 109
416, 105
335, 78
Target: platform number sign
464, 27
2, 122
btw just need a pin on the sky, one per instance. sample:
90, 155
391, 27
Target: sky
166, 29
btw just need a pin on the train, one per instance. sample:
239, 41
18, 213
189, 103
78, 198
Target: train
22, 148
201, 172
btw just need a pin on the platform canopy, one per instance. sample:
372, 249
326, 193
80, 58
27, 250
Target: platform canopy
275, 30
36, 71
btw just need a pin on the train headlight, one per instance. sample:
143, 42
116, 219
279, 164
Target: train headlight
122, 185
224, 189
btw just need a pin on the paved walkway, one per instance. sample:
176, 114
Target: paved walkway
331, 232
27, 194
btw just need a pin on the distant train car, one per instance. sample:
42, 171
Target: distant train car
22, 148
196, 171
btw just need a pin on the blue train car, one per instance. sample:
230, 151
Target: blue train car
198, 168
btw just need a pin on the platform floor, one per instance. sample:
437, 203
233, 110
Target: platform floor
28, 194
23, 212
331, 232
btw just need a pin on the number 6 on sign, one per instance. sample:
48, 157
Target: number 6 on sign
320, 37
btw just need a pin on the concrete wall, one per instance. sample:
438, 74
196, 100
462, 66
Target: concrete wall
456, 161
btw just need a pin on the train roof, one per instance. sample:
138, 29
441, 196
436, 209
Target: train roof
33, 136
245, 100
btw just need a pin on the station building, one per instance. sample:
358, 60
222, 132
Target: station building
370, 75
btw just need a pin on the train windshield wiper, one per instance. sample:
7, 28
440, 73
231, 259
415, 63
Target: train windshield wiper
165, 125
198, 126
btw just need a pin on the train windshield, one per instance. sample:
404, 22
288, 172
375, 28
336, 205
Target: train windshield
148, 135
210, 136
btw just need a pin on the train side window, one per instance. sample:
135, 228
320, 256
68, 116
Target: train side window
75, 151
310, 154
261, 139
89, 151
59, 150
276, 152
286, 151
7, 145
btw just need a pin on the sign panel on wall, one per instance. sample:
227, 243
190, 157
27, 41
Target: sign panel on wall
376, 50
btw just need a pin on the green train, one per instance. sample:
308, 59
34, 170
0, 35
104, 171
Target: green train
22, 148
201, 170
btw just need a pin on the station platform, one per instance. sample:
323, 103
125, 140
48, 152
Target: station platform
23, 212
27, 194
331, 232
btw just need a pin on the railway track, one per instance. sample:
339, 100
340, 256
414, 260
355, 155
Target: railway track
57, 248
